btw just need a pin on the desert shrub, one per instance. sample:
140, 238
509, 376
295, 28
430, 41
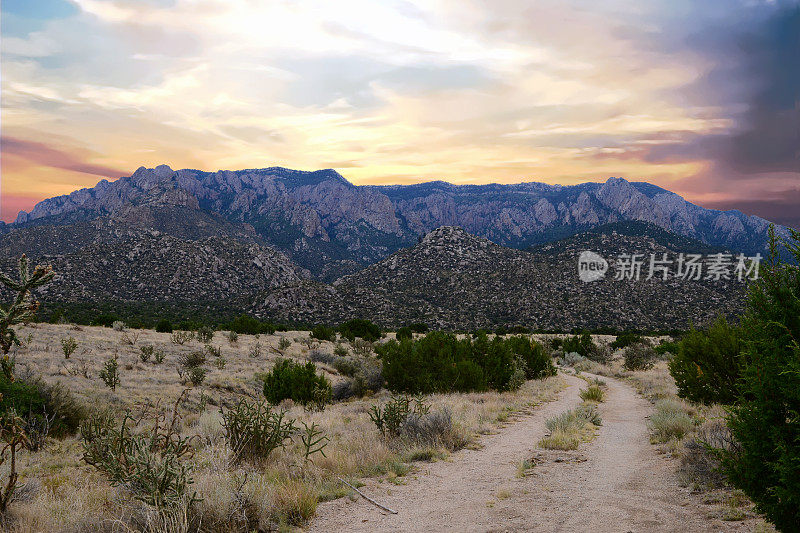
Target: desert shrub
196, 375
298, 382
233, 337
220, 363
582, 344
670, 421
118, 325
568, 429
538, 363
340, 350
12, 440
625, 339
666, 347
320, 356
765, 418
323, 333
110, 373
361, 347
431, 429
359, 327
213, 351
164, 326
152, 465
158, 356
284, 343
146, 352
255, 351
68, 346
390, 417
440, 362
404, 333
192, 359
346, 366
254, 430
181, 337
708, 364
205, 334
593, 393
249, 325
700, 464
639, 356
34, 398
571, 359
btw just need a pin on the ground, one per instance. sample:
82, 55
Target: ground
500, 480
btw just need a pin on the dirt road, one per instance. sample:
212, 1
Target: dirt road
616, 483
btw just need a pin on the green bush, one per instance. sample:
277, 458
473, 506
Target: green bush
440, 362
323, 333
538, 364
249, 325
625, 339
582, 345
708, 364
205, 334
765, 421
404, 333
359, 327
298, 382
164, 326
32, 397
639, 356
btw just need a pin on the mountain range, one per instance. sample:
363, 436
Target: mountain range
311, 246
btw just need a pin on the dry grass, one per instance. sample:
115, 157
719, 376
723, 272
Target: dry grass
572, 427
64, 494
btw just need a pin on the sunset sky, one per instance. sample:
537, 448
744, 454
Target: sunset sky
699, 97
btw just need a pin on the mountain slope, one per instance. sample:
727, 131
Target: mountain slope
331, 227
455, 280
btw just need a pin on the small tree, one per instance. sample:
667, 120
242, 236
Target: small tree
12, 439
68, 346
766, 419
22, 308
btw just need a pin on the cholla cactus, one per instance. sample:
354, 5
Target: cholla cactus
22, 309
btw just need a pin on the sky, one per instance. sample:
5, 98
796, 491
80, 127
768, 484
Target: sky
699, 97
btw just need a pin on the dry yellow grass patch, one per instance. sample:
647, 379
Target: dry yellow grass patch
61, 492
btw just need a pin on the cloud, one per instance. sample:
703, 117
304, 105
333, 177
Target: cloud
44, 155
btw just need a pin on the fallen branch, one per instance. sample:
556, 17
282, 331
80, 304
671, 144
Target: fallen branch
367, 497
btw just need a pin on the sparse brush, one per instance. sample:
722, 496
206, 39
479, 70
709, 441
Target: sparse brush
255, 351
192, 359
670, 421
284, 343
340, 350
212, 351
233, 337
254, 430
205, 334
318, 356
158, 356
571, 427
220, 362
68, 346
119, 325
153, 465
110, 373
196, 375
129, 338
361, 347
146, 352
593, 393
388, 418
181, 337
639, 356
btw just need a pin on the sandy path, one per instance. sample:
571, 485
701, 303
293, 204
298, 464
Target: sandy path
616, 483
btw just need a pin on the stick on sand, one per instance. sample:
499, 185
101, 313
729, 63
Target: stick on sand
367, 497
